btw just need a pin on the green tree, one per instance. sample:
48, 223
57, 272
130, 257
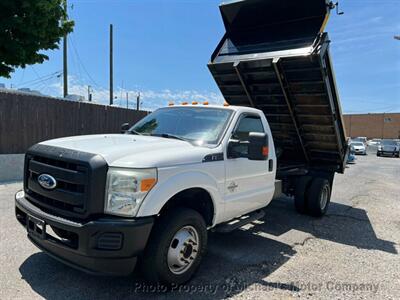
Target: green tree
27, 27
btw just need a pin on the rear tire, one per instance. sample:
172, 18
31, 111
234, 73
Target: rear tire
318, 197
177, 244
300, 200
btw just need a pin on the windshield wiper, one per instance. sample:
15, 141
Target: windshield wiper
169, 136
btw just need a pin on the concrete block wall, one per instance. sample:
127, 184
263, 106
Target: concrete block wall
11, 167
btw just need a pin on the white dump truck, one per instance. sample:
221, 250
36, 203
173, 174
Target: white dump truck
150, 195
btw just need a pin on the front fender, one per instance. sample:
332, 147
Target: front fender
172, 185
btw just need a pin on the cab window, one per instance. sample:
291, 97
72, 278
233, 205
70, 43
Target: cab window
246, 125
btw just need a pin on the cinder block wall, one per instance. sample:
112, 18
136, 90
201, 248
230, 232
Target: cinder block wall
11, 167
385, 125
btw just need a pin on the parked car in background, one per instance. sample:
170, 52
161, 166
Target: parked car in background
359, 148
388, 148
362, 139
374, 142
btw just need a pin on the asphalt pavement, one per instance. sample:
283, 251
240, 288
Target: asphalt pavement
352, 252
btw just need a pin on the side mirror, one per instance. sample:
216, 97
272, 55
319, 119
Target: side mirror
125, 127
233, 149
258, 146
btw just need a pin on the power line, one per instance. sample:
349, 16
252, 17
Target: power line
22, 77
37, 75
74, 59
40, 78
81, 62
40, 82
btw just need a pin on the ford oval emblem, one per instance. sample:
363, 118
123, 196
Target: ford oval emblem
47, 181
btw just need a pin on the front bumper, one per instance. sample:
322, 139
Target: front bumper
108, 246
387, 153
362, 152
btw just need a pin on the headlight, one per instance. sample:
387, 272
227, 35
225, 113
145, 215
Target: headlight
126, 189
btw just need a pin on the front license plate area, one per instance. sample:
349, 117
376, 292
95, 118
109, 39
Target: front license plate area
36, 227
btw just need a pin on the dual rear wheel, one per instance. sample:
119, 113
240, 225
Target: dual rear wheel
312, 195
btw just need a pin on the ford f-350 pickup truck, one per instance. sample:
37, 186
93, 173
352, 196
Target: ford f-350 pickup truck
103, 203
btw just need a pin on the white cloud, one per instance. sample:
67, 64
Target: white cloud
150, 99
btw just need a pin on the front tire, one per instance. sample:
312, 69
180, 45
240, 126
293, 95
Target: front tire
177, 244
318, 197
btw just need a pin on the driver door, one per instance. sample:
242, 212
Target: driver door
249, 185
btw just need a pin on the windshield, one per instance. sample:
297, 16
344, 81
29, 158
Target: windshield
194, 124
389, 143
357, 144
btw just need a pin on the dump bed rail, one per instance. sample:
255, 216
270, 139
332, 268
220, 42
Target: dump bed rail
290, 78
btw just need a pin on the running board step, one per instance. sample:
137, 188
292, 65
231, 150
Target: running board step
239, 222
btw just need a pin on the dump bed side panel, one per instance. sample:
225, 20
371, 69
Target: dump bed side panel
279, 62
299, 98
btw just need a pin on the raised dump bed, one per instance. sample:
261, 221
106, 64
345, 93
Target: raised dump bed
275, 56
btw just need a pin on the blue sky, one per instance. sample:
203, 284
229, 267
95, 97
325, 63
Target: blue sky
162, 48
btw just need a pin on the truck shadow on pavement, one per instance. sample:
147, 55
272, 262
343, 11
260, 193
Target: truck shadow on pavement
236, 261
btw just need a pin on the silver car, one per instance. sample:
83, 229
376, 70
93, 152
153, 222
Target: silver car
359, 148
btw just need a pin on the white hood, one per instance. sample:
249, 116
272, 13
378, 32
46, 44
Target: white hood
135, 151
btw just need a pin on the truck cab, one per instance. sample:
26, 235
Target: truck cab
96, 202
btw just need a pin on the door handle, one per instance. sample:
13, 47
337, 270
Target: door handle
270, 165
232, 186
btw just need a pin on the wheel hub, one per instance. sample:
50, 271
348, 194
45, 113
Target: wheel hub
324, 197
183, 249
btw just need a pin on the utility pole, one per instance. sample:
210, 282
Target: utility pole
89, 95
65, 62
138, 101
127, 100
111, 65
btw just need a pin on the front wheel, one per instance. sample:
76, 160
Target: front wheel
177, 244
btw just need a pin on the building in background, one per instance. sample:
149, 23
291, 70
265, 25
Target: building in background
374, 125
